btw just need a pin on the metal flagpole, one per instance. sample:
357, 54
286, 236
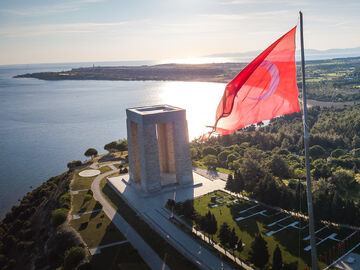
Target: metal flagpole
306, 142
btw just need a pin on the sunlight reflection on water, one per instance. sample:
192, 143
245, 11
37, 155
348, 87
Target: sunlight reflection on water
198, 98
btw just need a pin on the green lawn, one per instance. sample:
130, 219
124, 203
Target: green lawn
80, 205
85, 182
118, 257
97, 229
288, 239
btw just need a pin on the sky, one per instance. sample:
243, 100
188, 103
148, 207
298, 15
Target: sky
48, 31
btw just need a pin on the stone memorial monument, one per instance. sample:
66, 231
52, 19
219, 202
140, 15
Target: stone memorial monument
159, 151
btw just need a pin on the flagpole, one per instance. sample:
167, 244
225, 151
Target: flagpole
307, 162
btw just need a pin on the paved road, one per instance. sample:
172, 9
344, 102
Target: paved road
145, 251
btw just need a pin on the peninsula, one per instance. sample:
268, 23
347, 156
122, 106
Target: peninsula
332, 80
164, 72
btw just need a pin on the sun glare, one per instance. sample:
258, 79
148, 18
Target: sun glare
198, 98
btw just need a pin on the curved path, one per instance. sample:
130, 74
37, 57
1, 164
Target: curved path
147, 254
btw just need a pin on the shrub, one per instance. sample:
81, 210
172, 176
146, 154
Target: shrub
125, 170
73, 257
64, 200
209, 150
210, 161
73, 164
58, 216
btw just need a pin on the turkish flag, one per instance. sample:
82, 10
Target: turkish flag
264, 89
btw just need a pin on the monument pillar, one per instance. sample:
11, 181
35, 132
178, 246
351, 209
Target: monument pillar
159, 151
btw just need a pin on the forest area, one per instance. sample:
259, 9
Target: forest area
268, 162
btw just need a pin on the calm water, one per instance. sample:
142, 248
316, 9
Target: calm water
45, 124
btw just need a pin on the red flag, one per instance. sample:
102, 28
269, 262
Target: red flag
264, 89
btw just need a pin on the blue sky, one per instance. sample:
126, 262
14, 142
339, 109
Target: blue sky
115, 30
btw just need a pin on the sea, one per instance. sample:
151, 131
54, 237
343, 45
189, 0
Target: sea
46, 124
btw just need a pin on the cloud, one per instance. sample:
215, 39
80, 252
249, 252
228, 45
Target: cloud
264, 2
249, 15
46, 29
62, 7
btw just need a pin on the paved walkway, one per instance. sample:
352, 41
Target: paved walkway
97, 250
151, 208
212, 243
211, 174
147, 254
78, 215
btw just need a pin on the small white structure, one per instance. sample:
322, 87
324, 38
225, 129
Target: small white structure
158, 144
89, 173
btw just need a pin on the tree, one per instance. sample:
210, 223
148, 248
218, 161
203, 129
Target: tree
194, 153
58, 216
115, 146
344, 178
229, 183
222, 157
73, 257
210, 161
252, 172
209, 150
238, 182
320, 169
110, 147
211, 227
278, 166
73, 164
337, 153
231, 158
317, 151
224, 234
233, 239
259, 254
277, 259
91, 152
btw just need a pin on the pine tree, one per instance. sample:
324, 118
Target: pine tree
238, 182
230, 183
212, 225
259, 254
233, 239
277, 259
224, 234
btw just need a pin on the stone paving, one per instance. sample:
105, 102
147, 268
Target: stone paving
89, 173
150, 208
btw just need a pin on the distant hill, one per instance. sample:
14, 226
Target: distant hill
310, 54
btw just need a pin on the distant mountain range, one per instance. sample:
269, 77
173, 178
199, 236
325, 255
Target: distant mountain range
310, 54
